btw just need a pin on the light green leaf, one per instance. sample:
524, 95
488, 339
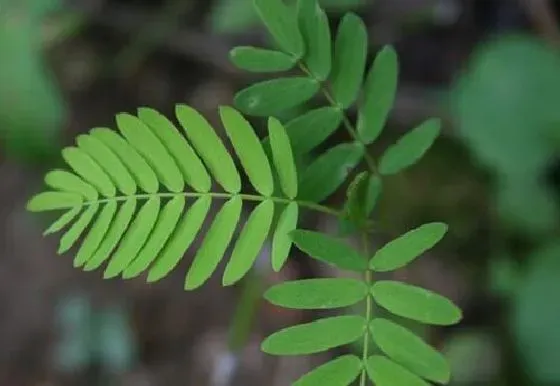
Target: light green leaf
384, 372
410, 351
283, 157
166, 223
329, 250
135, 238
249, 150
89, 170
415, 303
316, 34
215, 244
134, 162
148, 145
380, 89
76, 230
261, 60
109, 162
209, 147
349, 63
96, 234
401, 251
309, 130
341, 371
63, 220
309, 294
47, 201
271, 97
281, 241
69, 182
410, 148
114, 234
192, 168
181, 240
282, 25
315, 337
329, 171
249, 243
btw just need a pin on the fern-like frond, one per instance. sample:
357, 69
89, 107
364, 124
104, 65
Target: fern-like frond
139, 197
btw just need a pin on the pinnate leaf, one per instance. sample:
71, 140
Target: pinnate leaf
283, 157
318, 336
341, 371
385, 372
281, 241
316, 34
261, 60
401, 251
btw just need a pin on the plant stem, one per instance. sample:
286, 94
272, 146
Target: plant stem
226, 196
369, 306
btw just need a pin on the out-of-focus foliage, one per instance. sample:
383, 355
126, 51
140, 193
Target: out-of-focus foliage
31, 107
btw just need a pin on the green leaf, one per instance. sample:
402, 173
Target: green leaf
309, 130
210, 148
309, 294
349, 62
135, 238
148, 145
69, 182
134, 162
283, 157
114, 234
384, 372
76, 230
255, 59
271, 97
166, 223
282, 25
410, 148
180, 241
96, 234
401, 251
380, 89
192, 168
316, 34
315, 337
329, 171
281, 241
361, 197
215, 244
89, 170
63, 220
249, 150
415, 303
329, 250
341, 371
410, 351
47, 201
109, 162
249, 243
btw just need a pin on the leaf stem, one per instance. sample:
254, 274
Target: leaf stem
368, 280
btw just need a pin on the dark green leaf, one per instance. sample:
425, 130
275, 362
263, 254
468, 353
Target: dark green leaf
410, 351
317, 293
329, 250
316, 34
273, 96
281, 241
384, 372
283, 157
410, 148
404, 249
361, 197
415, 303
341, 371
315, 337
260, 60
47, 201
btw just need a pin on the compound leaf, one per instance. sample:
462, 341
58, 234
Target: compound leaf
385, 372
281, 241
283, 157
255, 59
341, 371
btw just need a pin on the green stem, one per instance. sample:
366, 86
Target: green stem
226, 196
369, 308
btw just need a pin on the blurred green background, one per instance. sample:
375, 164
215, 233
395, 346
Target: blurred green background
489, 68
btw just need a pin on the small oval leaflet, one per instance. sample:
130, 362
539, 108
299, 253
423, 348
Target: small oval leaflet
270, 97
283, 157
410, 351
385, 372
311, 294
316, 33
415, 303
281, 241
318, 336
89, 170
401, 251
47, 201
76, 230
71, 183
329, 250
341, 371
255, 59
62, 221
